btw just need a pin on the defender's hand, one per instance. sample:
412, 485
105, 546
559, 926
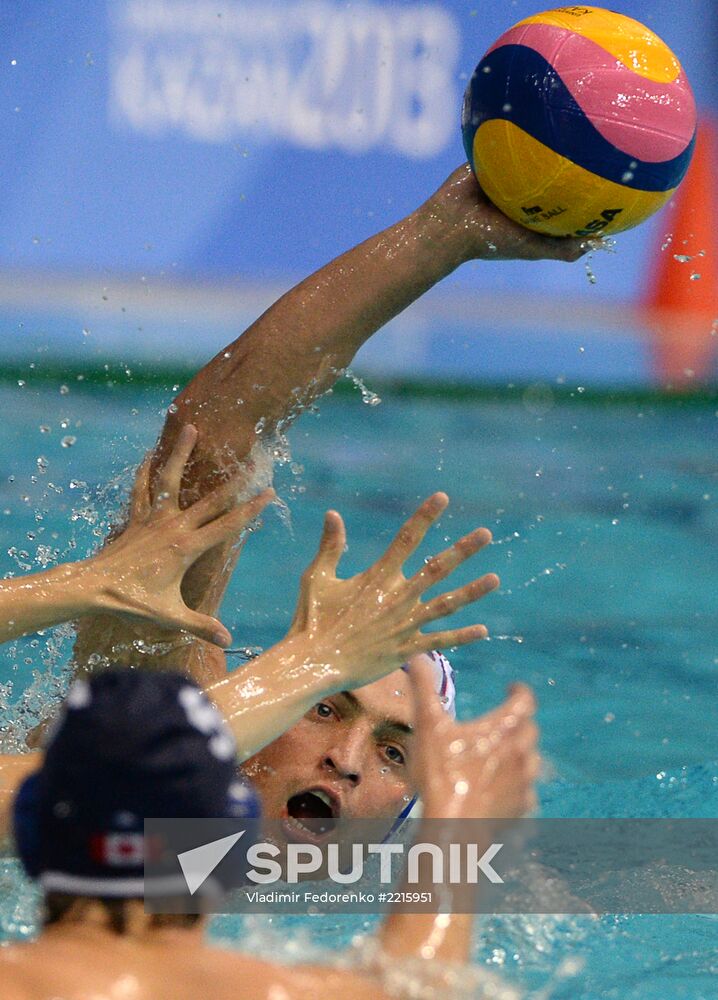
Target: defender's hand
485, 768
370, 624
140, 572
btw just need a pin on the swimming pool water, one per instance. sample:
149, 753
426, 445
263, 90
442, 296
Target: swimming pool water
605, 519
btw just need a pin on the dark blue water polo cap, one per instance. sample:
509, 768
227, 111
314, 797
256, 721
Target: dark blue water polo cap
128, 744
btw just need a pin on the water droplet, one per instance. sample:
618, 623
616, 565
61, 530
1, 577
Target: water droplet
172, 408
367, 396
64, 389
682, 258
695, 276
68, 441
44, 429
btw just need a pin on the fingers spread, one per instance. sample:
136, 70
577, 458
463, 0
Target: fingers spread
219, 501
227, 528
439, 566
203, 626
424, 642
447, 604
140, 505
332, 543
169, 480
412, 532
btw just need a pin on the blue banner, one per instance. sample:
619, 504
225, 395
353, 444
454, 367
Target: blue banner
185, 140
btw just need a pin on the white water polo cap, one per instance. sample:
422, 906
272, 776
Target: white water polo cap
446, 690
443, 680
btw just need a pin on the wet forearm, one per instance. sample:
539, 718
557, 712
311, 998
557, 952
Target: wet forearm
269, 694
40, 600
297, 348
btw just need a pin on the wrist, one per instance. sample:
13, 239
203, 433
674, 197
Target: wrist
80, 587
274, 691
68, 591
444, 233
309, 666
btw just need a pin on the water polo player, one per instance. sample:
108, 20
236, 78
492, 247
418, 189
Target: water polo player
134, 743
345, 634
292, 354
350, 756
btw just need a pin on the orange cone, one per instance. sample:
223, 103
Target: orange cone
682, 305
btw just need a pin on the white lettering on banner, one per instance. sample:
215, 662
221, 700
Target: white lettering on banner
312, 73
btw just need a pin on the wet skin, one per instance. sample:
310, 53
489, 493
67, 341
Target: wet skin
354, 747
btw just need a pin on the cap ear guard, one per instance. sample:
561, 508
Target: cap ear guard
26, 825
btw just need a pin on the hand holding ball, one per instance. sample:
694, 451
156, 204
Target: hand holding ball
579, 122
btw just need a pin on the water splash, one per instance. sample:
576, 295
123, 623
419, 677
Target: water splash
368, 396
590, 274
39, 699
542, 575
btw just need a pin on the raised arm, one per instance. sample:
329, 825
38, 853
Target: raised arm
296, 350
345, 633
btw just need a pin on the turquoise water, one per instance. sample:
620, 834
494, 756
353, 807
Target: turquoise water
605, 519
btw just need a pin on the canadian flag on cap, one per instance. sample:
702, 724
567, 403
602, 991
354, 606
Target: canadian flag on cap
118, 850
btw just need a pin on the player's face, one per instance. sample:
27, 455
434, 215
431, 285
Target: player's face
348, 757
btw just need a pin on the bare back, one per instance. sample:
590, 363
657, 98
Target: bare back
166, 965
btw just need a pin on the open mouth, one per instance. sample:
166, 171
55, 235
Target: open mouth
313, 811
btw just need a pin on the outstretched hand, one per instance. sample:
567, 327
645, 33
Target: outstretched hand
482, 769
487, 234
370, 624
141, 571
